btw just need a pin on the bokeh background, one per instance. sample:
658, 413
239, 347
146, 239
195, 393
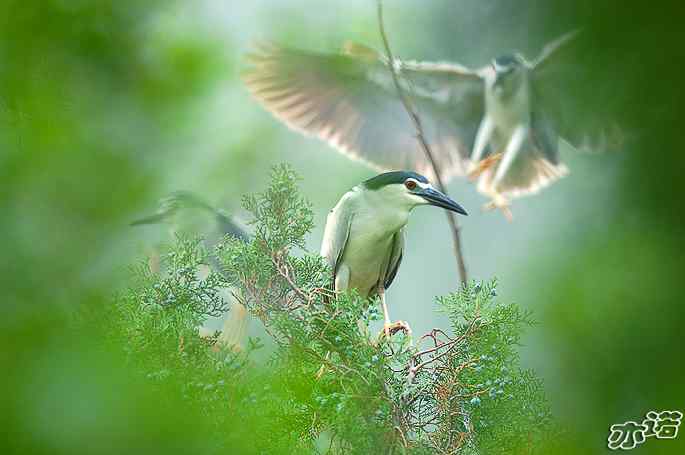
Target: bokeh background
105, 106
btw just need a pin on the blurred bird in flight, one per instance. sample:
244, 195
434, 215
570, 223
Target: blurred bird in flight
183, 211
500, 124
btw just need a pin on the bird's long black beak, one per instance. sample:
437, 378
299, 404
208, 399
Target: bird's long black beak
439, 199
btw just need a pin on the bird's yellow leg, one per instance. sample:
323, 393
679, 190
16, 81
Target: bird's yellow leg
386, 315
514, 147
391, 328
500, 202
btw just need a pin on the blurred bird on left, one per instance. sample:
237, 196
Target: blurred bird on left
185, 212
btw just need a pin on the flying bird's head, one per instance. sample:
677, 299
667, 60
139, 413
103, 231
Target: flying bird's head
509, 73
404, 190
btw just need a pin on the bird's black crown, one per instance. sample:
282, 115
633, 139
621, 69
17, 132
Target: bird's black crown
390, 178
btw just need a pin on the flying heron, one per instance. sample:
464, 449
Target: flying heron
501, 123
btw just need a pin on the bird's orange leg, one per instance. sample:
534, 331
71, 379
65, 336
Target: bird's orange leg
391, 328
500, 202
386, 315
483, 165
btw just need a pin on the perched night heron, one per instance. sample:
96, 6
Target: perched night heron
364, 236
500, 123
186, 212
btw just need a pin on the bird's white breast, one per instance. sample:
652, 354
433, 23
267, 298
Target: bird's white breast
508, 112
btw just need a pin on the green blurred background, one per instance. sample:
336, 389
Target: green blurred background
105, 106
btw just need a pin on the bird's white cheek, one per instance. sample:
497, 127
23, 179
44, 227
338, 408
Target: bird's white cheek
415, 200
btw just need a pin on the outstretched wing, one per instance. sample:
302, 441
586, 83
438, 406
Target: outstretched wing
552, 47
349, 101
576, 98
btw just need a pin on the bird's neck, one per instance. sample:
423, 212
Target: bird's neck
389, 211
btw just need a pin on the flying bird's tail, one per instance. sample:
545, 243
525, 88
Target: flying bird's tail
536, 174
535, 166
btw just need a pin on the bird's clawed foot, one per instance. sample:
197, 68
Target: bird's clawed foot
483, 165
389, 329
501, 203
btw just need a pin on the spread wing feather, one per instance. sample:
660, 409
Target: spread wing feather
578, 100
350, 102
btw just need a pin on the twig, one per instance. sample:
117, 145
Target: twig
416, 359
416, 120
282, 270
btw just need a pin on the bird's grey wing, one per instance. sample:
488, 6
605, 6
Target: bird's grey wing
227, 225
442, 81
395, 258
577, 100
337, 231
351, 102
551, 48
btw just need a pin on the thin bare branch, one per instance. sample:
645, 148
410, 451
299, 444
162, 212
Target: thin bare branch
282, 270
416, 120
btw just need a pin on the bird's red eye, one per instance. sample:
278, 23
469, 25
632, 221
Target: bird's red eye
410, 184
